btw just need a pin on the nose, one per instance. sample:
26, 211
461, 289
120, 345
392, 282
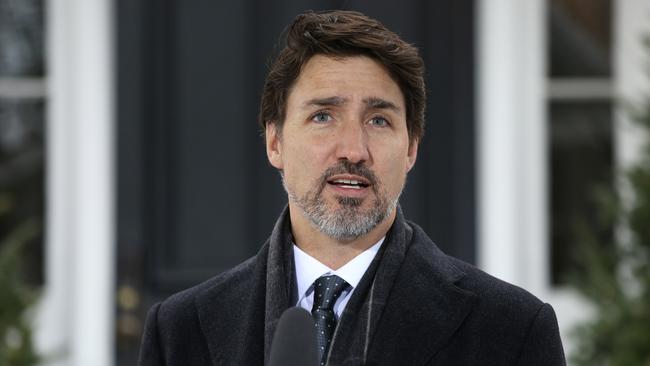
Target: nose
352, 143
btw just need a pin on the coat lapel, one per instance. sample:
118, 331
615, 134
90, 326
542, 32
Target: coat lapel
424, 308
279, 278
231, 314
238, 314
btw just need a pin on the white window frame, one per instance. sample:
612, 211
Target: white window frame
22, 88
512, 166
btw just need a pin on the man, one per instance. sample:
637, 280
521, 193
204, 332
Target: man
343, 114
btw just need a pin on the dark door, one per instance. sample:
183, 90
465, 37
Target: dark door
196, 194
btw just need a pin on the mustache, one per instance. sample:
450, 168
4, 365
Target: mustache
346, 167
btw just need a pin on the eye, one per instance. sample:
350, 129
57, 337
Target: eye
379, 122
321, 117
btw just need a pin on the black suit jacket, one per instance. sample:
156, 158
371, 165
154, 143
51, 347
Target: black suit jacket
438, 311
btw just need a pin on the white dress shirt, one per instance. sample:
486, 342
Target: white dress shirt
308, 269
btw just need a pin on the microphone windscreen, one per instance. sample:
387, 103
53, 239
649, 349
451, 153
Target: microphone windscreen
294, 342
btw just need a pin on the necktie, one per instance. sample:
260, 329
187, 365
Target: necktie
327, 289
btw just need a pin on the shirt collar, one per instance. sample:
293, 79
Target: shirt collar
308, 268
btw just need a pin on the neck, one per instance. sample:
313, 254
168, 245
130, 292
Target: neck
327, 250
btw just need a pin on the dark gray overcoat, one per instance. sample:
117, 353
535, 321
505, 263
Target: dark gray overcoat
414, 306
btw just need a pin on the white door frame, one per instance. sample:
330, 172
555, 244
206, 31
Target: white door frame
75, 316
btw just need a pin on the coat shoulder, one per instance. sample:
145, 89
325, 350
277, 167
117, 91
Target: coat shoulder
181, 305
514, 324
174, 327
506, 322
495, 293
491, 292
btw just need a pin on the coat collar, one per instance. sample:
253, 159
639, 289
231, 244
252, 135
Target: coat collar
417, 307
424, 307
407, 307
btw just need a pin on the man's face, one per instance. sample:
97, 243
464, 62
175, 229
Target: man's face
344, 147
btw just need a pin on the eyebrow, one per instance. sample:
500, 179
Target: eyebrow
372, 102
378, 103
329, 101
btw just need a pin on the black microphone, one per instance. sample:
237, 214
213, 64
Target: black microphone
294, 342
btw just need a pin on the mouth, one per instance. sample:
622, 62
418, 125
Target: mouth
353, 182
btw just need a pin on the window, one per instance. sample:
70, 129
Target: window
22, 103
579, 124
550, 131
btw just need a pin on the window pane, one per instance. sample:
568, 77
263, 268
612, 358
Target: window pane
21, 38
21, 179
580, 38
580, 161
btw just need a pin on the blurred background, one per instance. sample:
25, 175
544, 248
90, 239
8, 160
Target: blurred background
132, 165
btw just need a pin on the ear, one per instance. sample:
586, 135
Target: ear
412, 154
274, 145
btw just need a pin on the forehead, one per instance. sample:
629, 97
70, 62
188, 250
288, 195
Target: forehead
349, 78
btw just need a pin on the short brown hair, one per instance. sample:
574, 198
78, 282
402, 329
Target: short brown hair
342, 33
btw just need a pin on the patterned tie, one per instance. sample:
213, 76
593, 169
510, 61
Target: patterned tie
327, 289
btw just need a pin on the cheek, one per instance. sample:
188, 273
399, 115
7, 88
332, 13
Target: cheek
298, 156
303, 162
398, 174
393, 171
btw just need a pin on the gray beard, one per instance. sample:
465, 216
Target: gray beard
349, 220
